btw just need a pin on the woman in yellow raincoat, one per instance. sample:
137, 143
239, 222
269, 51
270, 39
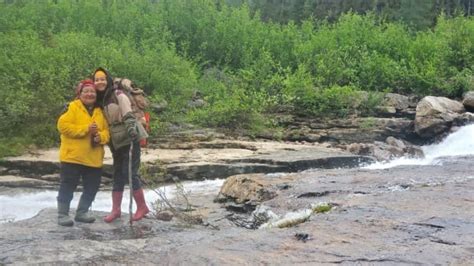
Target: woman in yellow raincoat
84, 132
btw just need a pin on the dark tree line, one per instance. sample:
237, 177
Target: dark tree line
418, 13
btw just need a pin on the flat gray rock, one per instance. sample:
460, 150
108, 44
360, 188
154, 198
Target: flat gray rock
404, 215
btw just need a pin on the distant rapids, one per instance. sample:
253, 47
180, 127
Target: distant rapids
459, 143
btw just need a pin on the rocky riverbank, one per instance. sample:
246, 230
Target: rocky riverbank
305, 201
191, 161
194, 154
403, 215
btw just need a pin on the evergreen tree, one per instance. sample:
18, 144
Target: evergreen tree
417, 13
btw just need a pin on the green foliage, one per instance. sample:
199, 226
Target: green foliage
13, 146
30, 74
368, 102
239, 57
232, 101
456, 63
232, 108
42, 62
335, 101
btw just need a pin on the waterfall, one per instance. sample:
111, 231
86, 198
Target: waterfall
459, 143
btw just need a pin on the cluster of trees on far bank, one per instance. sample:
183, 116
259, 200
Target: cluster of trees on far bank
418, 14
245, 58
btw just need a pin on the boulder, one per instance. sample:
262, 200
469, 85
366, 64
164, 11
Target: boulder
397, 105
414, 151
164, 215
252, 188
396, 142
196, 103
393, 148
398, 101
381, 154
376, 150
468, 100
464, 119
434, 115
159, 107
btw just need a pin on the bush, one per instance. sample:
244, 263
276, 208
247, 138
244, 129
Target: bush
334, 102
229, 107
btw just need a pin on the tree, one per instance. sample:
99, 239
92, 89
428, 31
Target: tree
417, 13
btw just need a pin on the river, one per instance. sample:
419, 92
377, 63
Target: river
19, 204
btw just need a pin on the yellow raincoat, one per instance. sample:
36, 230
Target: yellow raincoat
76, 145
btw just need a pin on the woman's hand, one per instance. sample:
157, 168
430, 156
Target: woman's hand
97, 138
93, 129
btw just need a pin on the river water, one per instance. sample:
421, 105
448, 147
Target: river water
26, 204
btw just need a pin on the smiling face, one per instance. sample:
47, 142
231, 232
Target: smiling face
88, 95
100, 82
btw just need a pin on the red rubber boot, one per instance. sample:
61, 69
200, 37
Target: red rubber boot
142, 209
116, 207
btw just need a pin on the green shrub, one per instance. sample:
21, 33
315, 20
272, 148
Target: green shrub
335, 101
229, 107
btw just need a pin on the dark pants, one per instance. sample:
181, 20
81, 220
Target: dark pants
120, 157
70, 175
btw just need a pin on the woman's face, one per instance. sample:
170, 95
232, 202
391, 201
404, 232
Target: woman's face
100, 83
88, 95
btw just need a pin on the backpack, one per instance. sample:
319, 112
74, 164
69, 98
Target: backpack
138, 100
136, 96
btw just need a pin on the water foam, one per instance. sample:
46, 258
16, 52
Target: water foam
459, 143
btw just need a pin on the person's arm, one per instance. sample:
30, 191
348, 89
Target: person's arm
69, 126
127, 115
124, 104
104, 133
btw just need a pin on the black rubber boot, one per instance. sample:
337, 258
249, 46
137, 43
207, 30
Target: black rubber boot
63, 215
82, 214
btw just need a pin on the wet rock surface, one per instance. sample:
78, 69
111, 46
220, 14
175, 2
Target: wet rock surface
198, 160
402, 215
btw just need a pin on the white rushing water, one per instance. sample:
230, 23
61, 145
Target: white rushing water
27, 204
459, 143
